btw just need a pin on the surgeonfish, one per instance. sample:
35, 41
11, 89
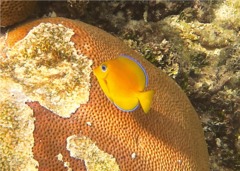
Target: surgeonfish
123, 81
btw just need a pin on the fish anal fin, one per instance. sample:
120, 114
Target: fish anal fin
126, 104
145, 99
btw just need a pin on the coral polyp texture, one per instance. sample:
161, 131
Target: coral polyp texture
15, 11
54, 72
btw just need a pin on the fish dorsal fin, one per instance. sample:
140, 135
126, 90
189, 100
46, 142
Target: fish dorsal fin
138, 63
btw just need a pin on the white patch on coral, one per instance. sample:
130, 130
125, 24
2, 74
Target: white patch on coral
226, 11
65, 163
50, 69
84, 148
16, 128
60, 157
133, 155
88, 123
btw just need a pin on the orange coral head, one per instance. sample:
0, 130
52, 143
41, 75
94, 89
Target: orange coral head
169, 137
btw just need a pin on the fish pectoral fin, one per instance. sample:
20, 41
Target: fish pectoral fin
104, 86
145, 99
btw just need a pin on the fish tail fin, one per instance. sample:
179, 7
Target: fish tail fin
145, 99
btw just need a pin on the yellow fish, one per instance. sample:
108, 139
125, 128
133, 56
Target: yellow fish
123, 80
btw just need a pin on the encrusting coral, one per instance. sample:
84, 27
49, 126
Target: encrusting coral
169, 137
48, 66
95, 159
16, 128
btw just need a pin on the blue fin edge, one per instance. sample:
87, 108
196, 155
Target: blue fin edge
121, 108
126, 110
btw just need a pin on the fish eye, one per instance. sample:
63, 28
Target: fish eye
104, 68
